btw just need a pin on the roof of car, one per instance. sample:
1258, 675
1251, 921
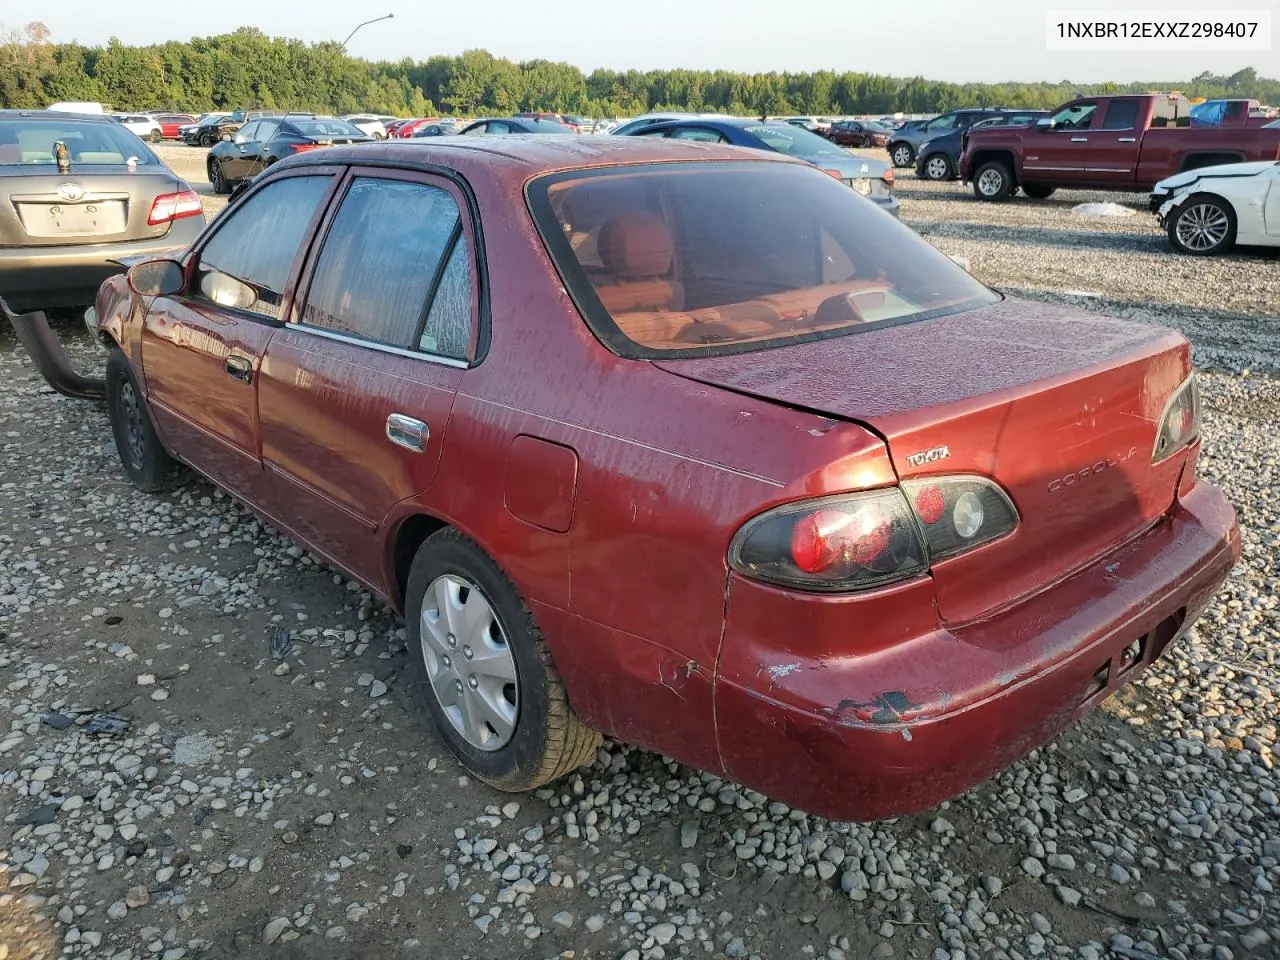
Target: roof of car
55, 115
534, 153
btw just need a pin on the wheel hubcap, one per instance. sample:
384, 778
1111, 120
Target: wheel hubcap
902, 156
479, 691
937, 168
1202, 227
131, 415
990, 183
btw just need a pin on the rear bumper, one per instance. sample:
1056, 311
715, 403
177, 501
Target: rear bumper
50, 359
890, 713
34, 278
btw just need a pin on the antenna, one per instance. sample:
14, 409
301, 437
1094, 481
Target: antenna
343, 45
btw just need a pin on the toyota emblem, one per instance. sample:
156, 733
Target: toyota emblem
70, 192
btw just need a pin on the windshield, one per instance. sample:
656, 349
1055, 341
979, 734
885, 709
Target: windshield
795, 141
89, 144
709, 257
326, 128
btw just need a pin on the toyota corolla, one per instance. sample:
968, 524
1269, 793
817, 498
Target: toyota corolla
680, 443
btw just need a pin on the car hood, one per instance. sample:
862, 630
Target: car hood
1216, 172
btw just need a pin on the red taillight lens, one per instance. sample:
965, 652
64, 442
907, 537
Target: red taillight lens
888, 176
174, 206
960, 513
841, 543
303, 147
930, 504
833, 173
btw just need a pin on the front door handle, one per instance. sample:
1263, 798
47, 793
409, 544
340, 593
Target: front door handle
1079, 139
239, 368
407, 432
1127, 140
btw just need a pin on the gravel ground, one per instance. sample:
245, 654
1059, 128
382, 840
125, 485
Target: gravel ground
172, 785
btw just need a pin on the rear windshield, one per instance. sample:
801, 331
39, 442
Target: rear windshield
796, 141
543, 126
29, 141
326, 128
702, 258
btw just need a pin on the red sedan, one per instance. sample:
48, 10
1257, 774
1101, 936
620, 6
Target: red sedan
855, 133
407, 129
170, 123
680, 443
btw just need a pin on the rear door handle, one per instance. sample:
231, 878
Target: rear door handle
239, 368
407, 432
1079, 139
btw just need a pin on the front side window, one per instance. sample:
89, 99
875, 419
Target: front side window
246, 264
712, 257
1075, 116
947, 122
385, 254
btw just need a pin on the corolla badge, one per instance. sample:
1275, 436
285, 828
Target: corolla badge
70, 192
1071, 479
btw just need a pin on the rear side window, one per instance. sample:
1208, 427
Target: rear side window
386, 272
709, 257
257, 244
1121, 115
89, 144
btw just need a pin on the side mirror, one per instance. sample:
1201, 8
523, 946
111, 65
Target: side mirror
1046, 124
156, 278
226, 138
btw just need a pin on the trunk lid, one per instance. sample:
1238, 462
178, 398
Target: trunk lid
93, 204
1058, 406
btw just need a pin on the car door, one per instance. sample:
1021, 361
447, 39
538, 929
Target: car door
1061, 149
1112, 146
358, 387
1271, 207
202, 349
236, 155
258, 149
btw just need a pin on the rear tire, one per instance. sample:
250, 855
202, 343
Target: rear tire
502, 709
937, 166
1038, 191
156, 136
1203, 226
993, 181
146, 462
902, 154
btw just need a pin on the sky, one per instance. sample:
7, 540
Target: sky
989, 40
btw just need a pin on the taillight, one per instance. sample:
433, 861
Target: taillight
855, 541
1180, 423
846, 542
834, 173
174, 206
959, 513
888, 177
303, 147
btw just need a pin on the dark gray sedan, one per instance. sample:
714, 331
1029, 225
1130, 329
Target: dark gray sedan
77, 193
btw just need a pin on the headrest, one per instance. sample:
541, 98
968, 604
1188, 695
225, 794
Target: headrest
636, 245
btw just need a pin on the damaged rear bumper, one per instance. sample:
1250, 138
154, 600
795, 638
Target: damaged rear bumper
51, 360
877, 712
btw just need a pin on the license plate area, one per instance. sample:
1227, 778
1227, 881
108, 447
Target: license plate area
1127, 660
862, 185
89, 218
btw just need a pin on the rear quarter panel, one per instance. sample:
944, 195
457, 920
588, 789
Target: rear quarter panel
1164, 150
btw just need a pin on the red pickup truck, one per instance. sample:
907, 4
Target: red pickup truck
1102, 143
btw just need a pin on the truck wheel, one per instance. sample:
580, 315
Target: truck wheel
1203, 226
937, 167
902, 155
146, 462
1038, 191
993, 181
478, 662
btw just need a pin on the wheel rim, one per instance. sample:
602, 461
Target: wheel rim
131, 417
215, 177
1202, 227
991, 182
936, 168
469, 663
902, 156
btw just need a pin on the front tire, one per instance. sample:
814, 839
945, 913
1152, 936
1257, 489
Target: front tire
1203, 226
146, 462
937, 167
993, 181
478, 662
216, 180
902, 155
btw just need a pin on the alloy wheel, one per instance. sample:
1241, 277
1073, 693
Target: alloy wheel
991, 183
469, 662
902, 156
1202, 227
936, 168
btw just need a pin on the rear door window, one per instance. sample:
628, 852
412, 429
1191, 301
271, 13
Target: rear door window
395, 269
1121, 114
247, 263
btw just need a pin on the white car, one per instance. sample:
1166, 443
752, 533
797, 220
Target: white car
1210, 210
370, 125
144, 127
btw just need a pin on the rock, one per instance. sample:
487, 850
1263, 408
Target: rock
137, 897
563, 919
1061, 861
992, 886
38, 865
663, 933
735, 948
336, 933
275, 929
42, 774
688, 835
1068, 897
595, 923
1040, 923
1254, 938
942, 827
511, 810
1033, 868
325, 819
483, 921
146, 679
377, 689
1145, 900
117, 911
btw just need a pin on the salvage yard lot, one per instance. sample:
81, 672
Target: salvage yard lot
305, 802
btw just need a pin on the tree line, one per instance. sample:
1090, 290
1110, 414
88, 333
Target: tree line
249, 69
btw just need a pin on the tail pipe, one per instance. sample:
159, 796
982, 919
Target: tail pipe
51, 360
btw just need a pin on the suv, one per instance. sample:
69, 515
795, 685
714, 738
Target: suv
905, 142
